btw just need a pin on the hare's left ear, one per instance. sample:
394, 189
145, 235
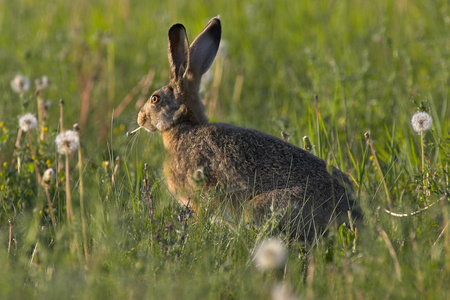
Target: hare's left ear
178, 51
204, 49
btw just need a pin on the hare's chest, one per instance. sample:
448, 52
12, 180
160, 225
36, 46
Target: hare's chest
182, 175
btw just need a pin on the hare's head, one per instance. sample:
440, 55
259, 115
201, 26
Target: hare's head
179, 101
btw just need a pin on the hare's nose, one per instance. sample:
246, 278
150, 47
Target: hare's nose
142, 118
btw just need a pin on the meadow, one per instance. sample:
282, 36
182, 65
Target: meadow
97, 221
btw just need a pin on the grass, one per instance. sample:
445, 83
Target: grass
373, 64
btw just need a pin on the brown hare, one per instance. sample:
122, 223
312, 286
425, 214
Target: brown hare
254, 172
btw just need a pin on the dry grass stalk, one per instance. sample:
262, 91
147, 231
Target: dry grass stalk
369, 141
142, 85
83, 221
391, 250
310, 278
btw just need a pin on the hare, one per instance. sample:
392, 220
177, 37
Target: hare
256, 172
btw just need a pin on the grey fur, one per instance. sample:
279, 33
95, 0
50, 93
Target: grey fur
258, 173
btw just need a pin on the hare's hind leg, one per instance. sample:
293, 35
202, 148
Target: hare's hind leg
288, 209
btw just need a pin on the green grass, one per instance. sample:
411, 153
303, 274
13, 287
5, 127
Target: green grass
373, 64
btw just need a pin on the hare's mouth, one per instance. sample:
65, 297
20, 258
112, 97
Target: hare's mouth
145, 123
149, 127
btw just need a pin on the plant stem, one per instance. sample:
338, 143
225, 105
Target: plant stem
10, 236
50, 207
68, 195
33, 152
369, 141
16, 152
61, 115
34, 253
425, 175
39, 105
83, 222
397, 268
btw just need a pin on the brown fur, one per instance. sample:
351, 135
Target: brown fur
255, 171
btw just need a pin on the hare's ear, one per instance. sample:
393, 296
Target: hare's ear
204, 48
178, 51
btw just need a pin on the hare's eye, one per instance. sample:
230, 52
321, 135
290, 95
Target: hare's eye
154, 99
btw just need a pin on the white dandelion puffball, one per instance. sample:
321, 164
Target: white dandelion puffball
28, 122
67, 141
20, 84
42, 83
421, 122
270, 254
48, 176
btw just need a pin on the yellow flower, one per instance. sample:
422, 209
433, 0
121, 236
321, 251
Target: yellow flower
2, 187
48, 162
5, 164
371, 157
122, 127
1, 124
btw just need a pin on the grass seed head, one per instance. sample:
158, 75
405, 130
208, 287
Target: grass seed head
421, 122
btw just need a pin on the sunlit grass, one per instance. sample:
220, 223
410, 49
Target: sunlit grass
372, 65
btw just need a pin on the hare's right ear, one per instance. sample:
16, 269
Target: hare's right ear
204, 48
178, 51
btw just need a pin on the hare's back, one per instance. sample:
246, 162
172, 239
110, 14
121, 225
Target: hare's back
257, 158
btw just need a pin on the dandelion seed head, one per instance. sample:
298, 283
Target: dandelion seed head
42, 82
283, 291
67, 141
270, 254
20, 84
421, 122
48, 176
28, 122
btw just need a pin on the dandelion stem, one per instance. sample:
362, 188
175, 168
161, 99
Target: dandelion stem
423, 163
68, 195
39, 105
34, 253
16, 151
61, 114
83, 221
10, 236
50, 207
